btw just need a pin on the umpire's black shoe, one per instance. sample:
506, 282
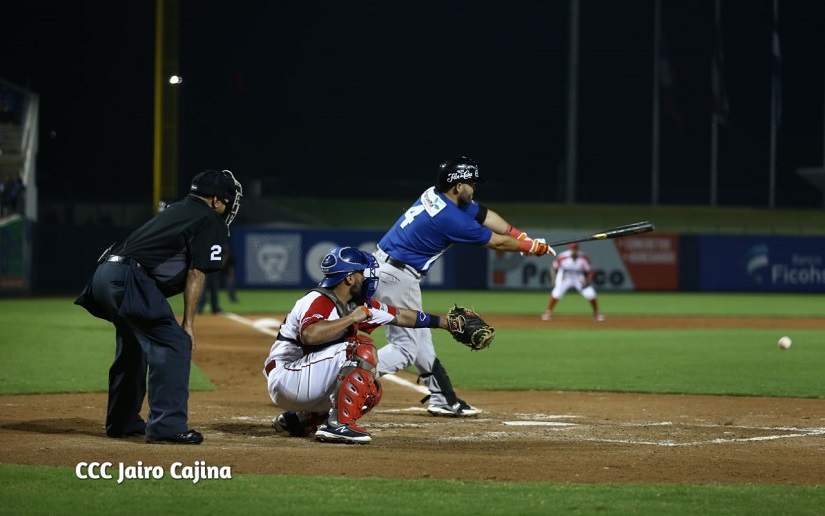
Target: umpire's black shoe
188, 437
118, 433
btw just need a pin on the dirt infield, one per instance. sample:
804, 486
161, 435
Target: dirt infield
520, 436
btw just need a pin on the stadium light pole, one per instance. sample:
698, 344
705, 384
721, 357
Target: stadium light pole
166, 133
572, 103
657, 72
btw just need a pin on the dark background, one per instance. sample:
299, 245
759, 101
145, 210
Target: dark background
364, 98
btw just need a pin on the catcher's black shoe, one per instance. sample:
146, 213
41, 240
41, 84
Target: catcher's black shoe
188, 437
298, 424
345, 434
459, 409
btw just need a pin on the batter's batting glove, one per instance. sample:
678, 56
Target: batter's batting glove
537, 247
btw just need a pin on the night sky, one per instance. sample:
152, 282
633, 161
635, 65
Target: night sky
365, 98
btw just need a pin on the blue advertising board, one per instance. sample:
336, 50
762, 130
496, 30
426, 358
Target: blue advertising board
291, 258
762, 263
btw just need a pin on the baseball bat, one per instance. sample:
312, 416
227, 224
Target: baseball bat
630, 229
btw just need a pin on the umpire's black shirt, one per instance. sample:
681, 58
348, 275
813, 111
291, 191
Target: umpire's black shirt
186, 235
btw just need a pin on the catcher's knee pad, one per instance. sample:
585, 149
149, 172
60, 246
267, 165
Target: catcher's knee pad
356, 394
363, 353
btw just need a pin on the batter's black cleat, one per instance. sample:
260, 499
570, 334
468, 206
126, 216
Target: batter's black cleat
459, 409
188, 437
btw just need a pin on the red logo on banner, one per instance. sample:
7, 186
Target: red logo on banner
651, 260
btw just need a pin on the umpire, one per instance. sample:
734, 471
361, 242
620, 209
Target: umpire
170, 254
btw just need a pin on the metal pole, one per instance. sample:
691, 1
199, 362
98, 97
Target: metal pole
572, 102
714, 129
657, 72
158, 119
772, 175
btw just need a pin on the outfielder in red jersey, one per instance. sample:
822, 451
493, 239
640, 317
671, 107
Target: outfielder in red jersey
572, 269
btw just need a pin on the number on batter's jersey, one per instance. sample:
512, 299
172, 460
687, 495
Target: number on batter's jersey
413, 212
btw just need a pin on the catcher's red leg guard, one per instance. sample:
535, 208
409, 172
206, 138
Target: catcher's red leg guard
357, 391
362, 351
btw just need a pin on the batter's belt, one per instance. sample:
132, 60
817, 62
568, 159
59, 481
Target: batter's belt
398, 264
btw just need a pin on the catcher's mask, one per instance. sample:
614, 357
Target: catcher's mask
460, 169
220, 184
340, 262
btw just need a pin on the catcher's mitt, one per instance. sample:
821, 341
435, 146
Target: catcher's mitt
468, 328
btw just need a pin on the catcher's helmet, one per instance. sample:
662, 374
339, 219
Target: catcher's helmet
220, 184
340, 262
460, 169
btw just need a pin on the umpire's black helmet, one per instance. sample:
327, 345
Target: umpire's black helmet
459, 169
219, 184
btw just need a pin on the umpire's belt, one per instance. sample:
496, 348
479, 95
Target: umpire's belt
398, 264
122, 259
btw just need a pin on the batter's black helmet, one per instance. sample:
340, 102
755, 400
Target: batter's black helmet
460, 169
219, 184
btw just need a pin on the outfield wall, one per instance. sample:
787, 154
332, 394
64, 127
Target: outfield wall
15, 256
658, 261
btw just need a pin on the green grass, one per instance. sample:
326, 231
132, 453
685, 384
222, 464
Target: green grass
714, 304
728, 361
719, 361
55, 335
43, 490
739, 361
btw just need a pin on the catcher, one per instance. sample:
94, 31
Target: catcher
322, 366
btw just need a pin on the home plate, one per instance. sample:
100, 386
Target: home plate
266, 322
537, 423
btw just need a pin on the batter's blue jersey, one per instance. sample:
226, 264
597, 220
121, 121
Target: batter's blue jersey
429, 227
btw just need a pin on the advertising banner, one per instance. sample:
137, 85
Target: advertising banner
268, 258
639, 262
762, 263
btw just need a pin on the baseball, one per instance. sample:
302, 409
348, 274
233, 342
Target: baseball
784, 342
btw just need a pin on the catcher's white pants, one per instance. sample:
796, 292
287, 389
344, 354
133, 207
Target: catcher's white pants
307, 384
405, 346
564, 284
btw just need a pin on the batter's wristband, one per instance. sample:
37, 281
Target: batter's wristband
425, 320
513, 232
